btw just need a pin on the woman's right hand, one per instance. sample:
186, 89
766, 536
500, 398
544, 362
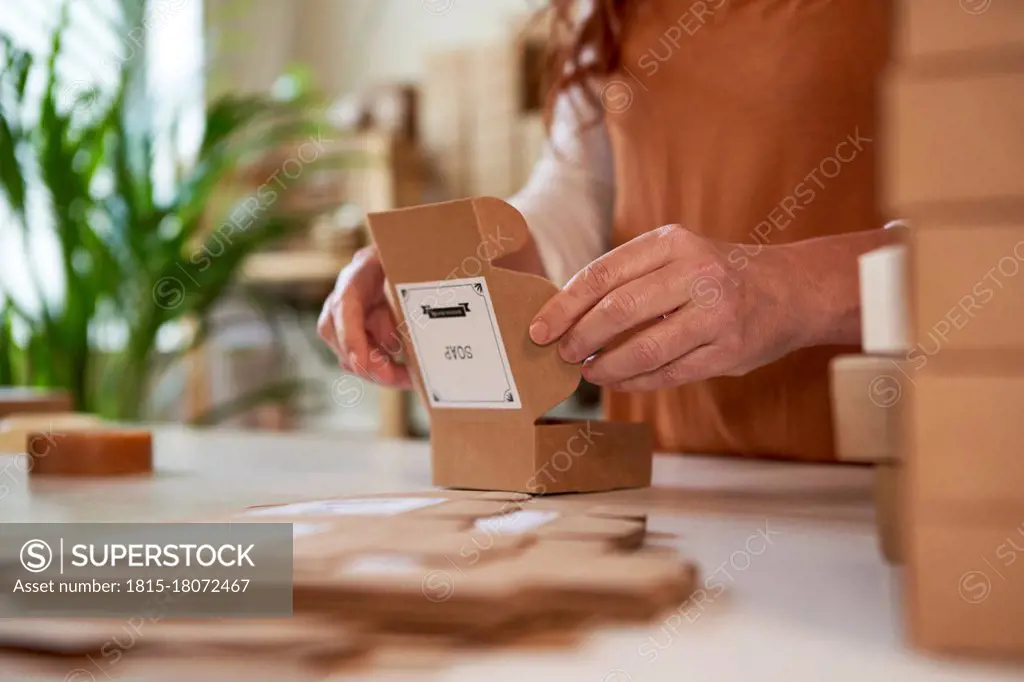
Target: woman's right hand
356, 322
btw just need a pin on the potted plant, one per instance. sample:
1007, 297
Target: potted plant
131, 262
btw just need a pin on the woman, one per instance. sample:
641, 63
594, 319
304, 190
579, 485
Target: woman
710, 185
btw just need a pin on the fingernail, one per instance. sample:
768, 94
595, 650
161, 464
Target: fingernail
539, 331
352, 360
565, 349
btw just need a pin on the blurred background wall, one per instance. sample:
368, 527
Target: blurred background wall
425, 99
350, 44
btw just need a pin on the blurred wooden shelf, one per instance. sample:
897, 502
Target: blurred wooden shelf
370, 171
293, 268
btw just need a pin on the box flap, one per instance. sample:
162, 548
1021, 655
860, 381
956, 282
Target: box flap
466, 320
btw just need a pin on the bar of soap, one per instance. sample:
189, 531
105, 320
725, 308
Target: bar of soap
18, 400
15, 428
884, 319
91, 452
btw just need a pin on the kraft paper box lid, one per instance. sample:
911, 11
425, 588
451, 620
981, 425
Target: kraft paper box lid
463, 328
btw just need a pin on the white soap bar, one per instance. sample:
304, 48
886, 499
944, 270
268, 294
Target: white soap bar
883, 300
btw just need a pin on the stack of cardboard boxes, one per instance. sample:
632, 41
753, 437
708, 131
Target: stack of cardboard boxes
955, 171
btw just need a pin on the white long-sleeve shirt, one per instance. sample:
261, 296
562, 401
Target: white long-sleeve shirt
569, 197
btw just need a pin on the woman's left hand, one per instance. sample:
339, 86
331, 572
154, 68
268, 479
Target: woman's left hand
716, 309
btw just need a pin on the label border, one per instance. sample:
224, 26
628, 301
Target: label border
516, 402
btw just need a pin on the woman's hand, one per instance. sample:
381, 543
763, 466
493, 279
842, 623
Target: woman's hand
713, 309
356, 322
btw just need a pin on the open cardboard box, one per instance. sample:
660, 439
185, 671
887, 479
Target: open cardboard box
463, 326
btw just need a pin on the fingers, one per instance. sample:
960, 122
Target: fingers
384, 340
399, 377
625, 308
387, 343
360, 287
363, 290
383, 331
325, 326
357, 324
698, 364
628, 262
678, 334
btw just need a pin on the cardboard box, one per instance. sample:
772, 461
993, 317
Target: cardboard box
889, 512
965, 451
965, 587
954, 140
486, 385
959, 30
969, 287
867, 396
952, 162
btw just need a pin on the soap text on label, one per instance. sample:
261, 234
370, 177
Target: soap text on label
458, 353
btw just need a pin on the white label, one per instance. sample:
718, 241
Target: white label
374, 506
515, 523
458, 344
376, 564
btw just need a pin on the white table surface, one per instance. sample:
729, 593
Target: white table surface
816, 602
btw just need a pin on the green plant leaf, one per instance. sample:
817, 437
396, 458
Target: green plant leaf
10, 170
117, 240
8, 348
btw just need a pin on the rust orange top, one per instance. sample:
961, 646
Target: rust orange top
753, 122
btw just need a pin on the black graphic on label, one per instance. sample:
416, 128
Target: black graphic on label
433, 313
